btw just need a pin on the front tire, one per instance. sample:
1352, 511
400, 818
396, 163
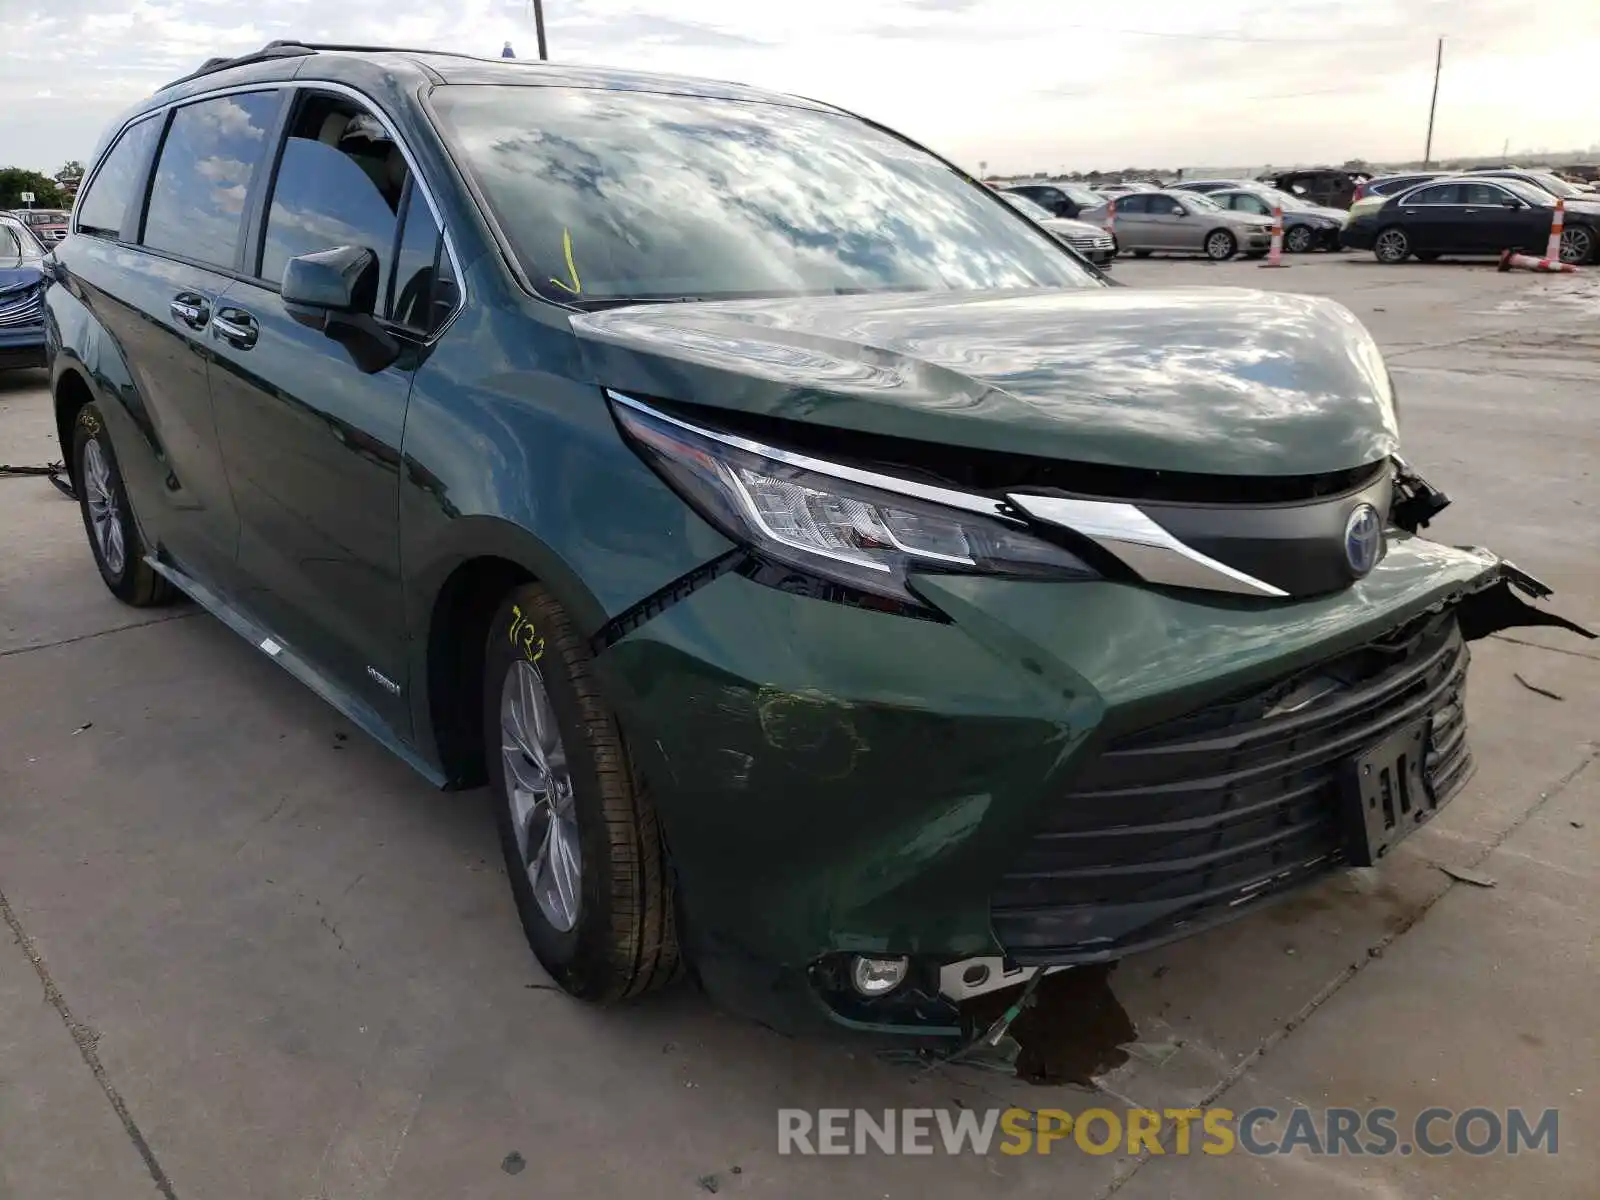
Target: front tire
577, 826
108, 516
1391, 246
1297, 240
1221, 245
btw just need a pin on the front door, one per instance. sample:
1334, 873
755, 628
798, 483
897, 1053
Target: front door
311, 438
1492, 220
1169, 226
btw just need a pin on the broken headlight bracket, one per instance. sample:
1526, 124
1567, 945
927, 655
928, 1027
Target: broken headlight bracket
1416, 501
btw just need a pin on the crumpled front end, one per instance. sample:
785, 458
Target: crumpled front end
1028, 772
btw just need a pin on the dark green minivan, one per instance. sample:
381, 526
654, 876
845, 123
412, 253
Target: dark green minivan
842, 588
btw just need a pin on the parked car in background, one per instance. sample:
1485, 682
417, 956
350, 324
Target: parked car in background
1206, 186
1059, 199
22, 340
1469, 215
1373, 192
1547, 181
1091, 241
1183, 223
49, 225
1332, 187
1123, 189
1305, 226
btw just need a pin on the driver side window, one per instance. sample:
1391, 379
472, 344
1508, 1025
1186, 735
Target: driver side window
339, 183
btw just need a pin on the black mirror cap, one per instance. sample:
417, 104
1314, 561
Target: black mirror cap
341, 280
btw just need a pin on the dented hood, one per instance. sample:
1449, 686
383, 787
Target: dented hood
1209, 380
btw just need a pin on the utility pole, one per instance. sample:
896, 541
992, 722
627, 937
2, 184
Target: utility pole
1438, 63
538, 27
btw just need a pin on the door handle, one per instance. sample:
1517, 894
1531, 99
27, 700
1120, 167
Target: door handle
236, 327
191, 309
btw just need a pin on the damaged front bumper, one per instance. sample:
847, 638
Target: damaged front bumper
1050, 773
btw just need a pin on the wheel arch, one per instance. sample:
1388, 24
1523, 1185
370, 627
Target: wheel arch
71, 391
452, 596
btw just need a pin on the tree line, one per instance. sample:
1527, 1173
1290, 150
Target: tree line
48, 191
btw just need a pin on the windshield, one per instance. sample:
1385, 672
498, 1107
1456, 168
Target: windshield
17, 241
616, 195
1081, 196
1195, 202
1553, 184
1025, 206
1530, 193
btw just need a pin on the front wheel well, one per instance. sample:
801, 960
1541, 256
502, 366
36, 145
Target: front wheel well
72, 392
457, 632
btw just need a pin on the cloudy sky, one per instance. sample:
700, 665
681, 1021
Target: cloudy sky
1017, 84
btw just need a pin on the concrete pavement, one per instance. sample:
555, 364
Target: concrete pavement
298, 975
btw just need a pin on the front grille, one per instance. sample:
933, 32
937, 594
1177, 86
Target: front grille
1091, 242
27, 309
1189, 823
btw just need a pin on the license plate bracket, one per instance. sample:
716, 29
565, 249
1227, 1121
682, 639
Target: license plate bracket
1386, 794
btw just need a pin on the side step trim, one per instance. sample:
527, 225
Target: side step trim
360, 714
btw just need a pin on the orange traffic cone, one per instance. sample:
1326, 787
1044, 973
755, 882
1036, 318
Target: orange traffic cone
1275, 254
1553, 247
1528, 262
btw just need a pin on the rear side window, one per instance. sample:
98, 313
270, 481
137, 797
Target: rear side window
104, 203
339, 184
1440, 193
203, 177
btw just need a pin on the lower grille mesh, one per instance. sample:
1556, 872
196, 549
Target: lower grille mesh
1187, 823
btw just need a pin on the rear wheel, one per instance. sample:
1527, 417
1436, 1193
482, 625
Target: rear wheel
1220, 245
108, 517
1577, 244
577, 827
1391, 245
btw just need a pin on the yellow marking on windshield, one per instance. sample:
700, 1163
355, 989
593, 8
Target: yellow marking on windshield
576, 286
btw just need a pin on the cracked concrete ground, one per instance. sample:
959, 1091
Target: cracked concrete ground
247, 957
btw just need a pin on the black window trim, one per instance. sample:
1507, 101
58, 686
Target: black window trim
131, 213
250, 242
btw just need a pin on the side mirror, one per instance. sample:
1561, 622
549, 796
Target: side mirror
1512, 202
336, 292
341, 281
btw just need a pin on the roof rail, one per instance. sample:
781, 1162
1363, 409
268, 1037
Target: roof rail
291, 48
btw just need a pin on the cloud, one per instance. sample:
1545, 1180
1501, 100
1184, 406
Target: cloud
1019, 84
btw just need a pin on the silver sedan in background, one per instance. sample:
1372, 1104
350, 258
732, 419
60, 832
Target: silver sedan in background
1306, 226
1183, 223
1091, 241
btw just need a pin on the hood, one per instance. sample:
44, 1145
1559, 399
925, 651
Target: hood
1321, 211
1207, 380
14, 279
1067, 227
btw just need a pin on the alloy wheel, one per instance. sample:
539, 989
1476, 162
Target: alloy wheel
539, 791
104, 515
1220, 245
1577, 243
1297, 240
1392, 246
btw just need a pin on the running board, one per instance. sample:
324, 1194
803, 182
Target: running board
359, 713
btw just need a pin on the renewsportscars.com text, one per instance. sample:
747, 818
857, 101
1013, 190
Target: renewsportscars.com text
1214, 1131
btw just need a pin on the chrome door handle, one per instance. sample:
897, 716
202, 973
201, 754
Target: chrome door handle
238, 328
190, 313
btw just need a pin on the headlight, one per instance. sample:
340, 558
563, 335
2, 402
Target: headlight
842, 523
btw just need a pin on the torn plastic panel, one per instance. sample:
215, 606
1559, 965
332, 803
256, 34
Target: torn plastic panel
1498, 606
